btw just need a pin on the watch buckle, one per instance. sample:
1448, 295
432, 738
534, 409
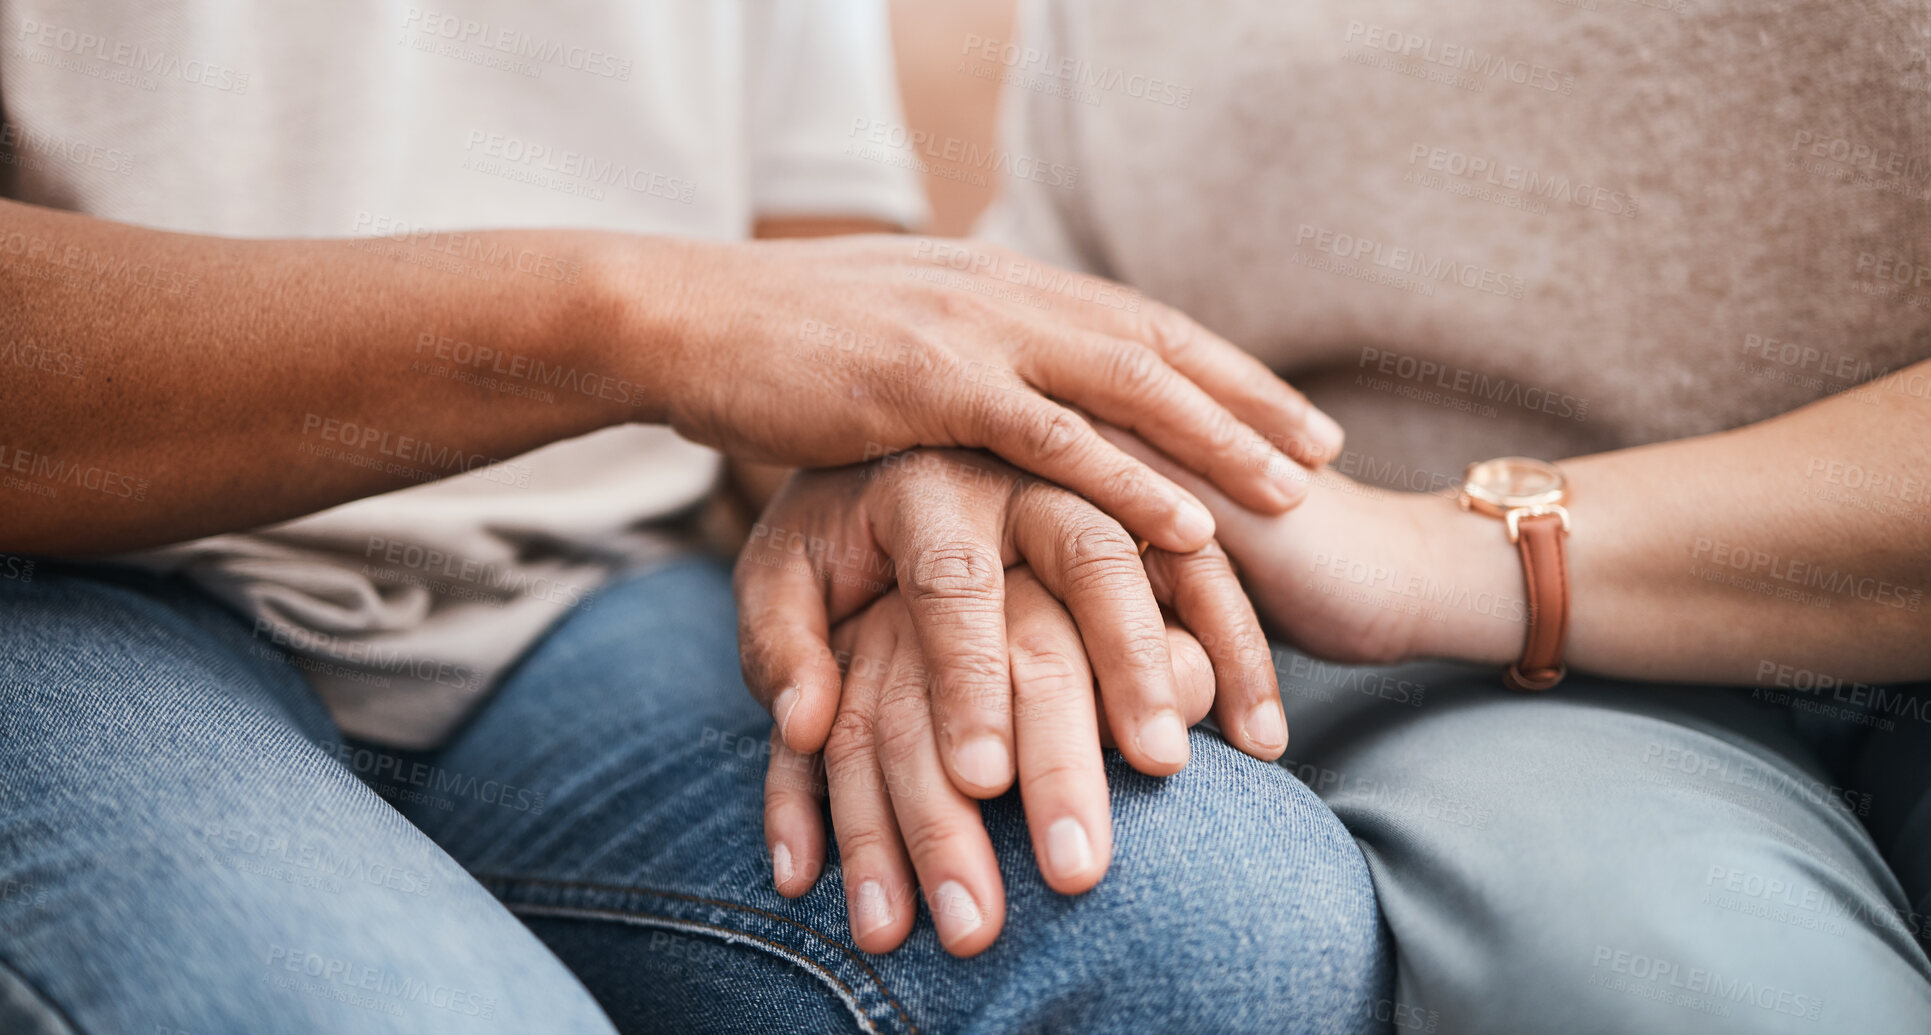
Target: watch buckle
1514, 515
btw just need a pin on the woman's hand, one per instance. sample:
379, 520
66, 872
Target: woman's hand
1353, 574
899, 820
944, 525
825, 352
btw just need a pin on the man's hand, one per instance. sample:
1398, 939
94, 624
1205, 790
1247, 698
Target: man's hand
892, 802
825, 352
944, 525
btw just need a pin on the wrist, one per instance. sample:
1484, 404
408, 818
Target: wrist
634, 319
1483, 616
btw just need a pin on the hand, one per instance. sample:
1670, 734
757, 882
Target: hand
945, 524
1364, 575
825, 352
891, 799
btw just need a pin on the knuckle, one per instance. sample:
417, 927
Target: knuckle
899, 744
969, 677
866, 840
1146, 648
1098, 539
1225, 435
1042, 666
1056, 435
1166, 328
1135, 370
1102, 567
850, 738
1055, 771
1127, 481
932, 838
957, 569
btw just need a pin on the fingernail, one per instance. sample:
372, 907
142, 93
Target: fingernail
1164, 739
983, 761
1323, 430
780, 864
786, 703
1192, 523
1267, 727
954, 912
1068, 850
1291, 478
872, 911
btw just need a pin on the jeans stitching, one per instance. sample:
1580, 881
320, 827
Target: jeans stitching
501, 879
536, 909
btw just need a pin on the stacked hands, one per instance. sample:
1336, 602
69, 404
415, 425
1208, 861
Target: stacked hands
977, 603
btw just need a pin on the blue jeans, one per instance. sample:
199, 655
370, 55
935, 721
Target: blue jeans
186, 846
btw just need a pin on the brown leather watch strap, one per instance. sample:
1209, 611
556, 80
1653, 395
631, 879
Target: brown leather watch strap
1545, 569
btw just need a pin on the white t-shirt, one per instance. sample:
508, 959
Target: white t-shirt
679, 117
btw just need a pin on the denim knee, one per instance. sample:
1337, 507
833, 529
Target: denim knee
1235, 902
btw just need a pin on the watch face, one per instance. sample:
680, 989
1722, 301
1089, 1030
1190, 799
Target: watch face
1515, 481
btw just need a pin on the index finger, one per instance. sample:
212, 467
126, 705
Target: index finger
1056, 443
1229, 373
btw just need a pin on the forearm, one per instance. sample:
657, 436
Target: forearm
1801, 542
235, 383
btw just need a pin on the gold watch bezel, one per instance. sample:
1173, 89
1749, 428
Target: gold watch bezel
1511, 508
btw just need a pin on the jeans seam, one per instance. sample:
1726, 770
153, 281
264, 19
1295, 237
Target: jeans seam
501, 879
785, 951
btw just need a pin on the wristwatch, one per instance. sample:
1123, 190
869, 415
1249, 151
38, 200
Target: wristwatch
1528, 496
